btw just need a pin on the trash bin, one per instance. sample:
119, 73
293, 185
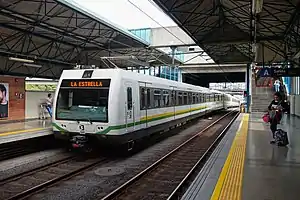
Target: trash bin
242, 108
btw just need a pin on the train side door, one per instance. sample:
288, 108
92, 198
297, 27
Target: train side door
129, 107
145, 103
173, 100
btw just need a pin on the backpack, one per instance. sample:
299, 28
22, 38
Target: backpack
281, 138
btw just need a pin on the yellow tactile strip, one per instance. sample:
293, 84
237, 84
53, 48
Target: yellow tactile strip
22, 131
229, 185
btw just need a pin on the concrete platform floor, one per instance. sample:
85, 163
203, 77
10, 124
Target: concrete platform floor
252, 168
17, 126
23, 130
272, 172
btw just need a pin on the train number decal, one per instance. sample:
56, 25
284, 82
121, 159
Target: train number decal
81, 127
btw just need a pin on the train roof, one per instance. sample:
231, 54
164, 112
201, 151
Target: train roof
101, 73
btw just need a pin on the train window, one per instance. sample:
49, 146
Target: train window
129, 98
143, 98
157, 98
166, 100
194, 99
82, 104
173, 98
190, 98
180, 99
148, 94
185, 98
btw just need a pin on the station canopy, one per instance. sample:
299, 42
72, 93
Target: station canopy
40, 38
227, 29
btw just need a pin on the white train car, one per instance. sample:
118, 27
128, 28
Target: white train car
116, 106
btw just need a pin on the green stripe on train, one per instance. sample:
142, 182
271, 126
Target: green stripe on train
118, 127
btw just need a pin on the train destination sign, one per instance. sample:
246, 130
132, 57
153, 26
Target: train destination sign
85, 83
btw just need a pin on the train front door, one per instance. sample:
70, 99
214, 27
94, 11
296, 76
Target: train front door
129, 107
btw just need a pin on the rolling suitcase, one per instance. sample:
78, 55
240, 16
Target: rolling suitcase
281, 138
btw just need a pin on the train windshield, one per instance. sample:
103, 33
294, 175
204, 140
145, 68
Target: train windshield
83, 101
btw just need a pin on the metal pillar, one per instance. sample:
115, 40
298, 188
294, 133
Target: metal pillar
248, 87
173, 60
159, 71
173, 55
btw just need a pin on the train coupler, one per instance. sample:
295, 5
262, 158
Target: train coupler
80, 142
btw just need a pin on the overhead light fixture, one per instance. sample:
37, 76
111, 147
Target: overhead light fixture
21, 60
32, 65
151, 61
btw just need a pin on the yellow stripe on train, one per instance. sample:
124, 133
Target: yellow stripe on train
170, 114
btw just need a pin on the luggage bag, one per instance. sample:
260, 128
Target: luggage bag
281, 138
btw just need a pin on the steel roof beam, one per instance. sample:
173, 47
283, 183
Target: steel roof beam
240, 41
173, 45
46, 26
37, 34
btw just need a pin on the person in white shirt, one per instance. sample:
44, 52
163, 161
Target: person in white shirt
277, 85
49, 104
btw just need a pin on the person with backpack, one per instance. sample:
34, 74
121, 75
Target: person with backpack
275, 108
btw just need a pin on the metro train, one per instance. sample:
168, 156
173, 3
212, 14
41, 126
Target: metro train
116, 107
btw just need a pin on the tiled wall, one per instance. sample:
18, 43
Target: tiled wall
16, 92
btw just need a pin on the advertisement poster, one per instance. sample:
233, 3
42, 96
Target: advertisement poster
4, 99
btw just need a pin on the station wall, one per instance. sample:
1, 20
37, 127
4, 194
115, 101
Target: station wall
16, 97
33, 102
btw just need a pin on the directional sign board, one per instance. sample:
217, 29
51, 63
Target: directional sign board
271, 72
278, 72
293, 72
265, 72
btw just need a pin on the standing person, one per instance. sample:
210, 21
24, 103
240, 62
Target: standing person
49, 101
3, 102
275, 109
277, 85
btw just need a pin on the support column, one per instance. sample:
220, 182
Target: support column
173, 61
248, 87
159, 71
173, 55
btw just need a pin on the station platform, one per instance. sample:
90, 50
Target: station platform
246, 166
16, 131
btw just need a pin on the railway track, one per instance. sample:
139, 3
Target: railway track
25, 184
164, 179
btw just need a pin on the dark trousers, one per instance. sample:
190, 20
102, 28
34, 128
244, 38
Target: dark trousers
49, 109
273, 127
274, 123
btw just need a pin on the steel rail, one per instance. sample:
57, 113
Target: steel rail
210, 148
119, 190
